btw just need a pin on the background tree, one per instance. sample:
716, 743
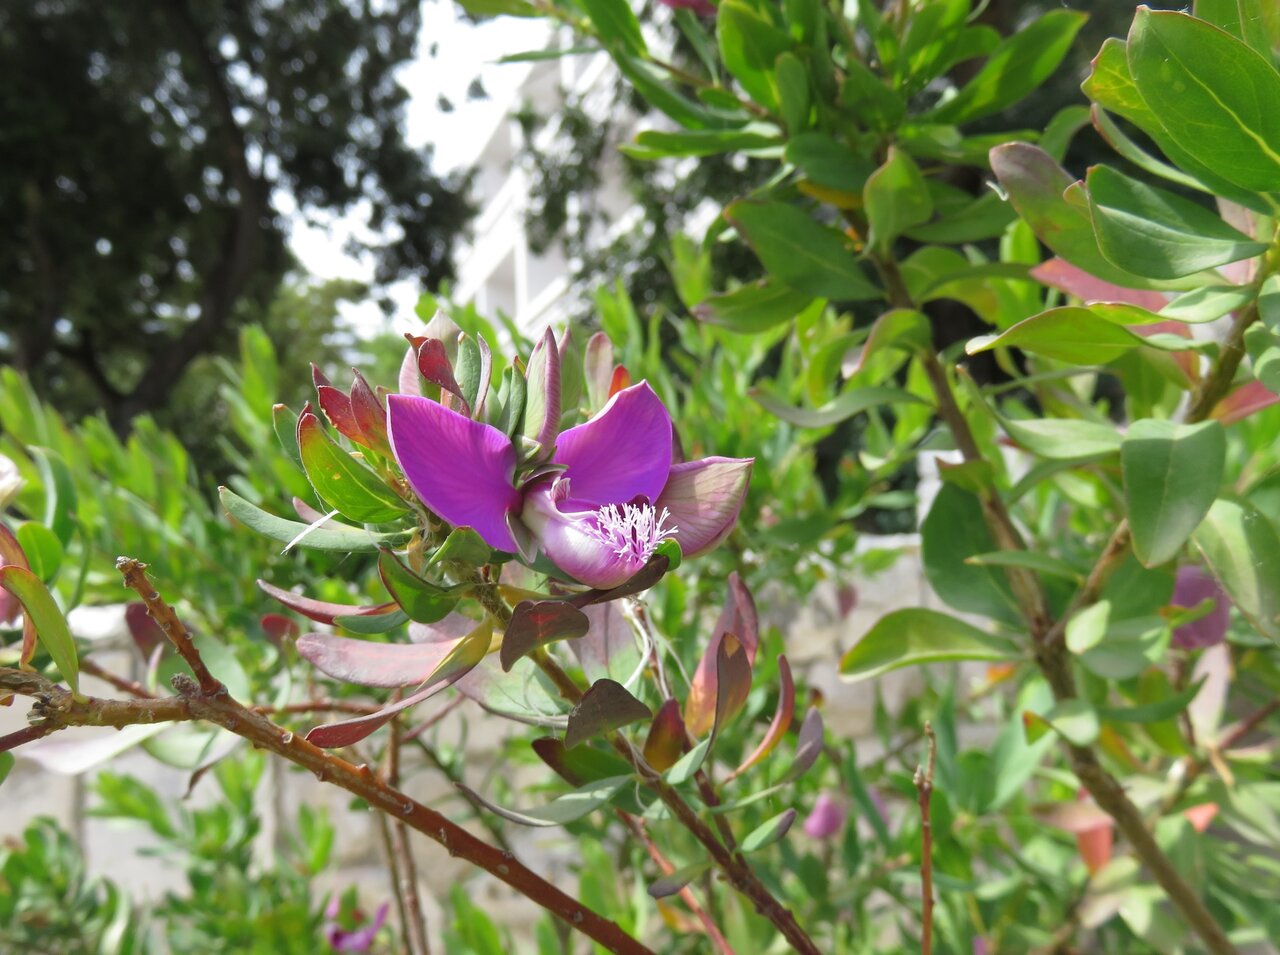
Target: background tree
151, 153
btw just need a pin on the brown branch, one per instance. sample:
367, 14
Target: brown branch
924, 793
1215, 387
318, 706
134, 573
133, 688
412, 919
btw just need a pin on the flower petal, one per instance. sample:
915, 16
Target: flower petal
566, 539
462, 469
621, 453
704, 498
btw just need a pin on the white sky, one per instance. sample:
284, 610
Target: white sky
464, 51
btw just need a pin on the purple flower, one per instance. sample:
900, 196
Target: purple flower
826, 819
1194, 585
356, 940
601, 505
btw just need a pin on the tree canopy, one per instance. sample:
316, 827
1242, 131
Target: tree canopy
151, 155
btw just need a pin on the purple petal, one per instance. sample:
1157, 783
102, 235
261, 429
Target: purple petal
462, 469
1194, 584
704, 498
621, 453
568, 540
826, 819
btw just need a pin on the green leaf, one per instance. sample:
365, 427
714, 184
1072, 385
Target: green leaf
1073, 333
1017, 68
829, 163
1163, 709
342, 481
915, 636
1127, 648
809, 257
873, 103
285, 424
50, 624
769, 832
1225, 116
844, 406
1242, 549
464, 546
1039, 562
616, 24
688, 764
1086, 628
59, 493
1155, 233
421, 600
42, 548
6, 764
656, 144
896, 198
1064, 439
954, 531
371, 623
330, 536
749, 47
670, 884
753, 308
1171, 477
793, 92
1075, 720
1257, 22
564, 809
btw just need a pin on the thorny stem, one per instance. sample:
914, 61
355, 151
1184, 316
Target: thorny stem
55, 708
924, 793
1051, 654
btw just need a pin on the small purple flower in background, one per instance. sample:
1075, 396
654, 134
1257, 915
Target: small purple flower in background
359, 939
609, 496
1194, 585
826, 819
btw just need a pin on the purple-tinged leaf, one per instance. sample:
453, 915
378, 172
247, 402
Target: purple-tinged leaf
1244, 401
319, 378
1074, 817
641, 581
537, 623
388, 665
409, 381
278, 628
433, 365
306, 512
337, 408
738, 617
146, 633
564, 809
673, 882
486, 372
579, 766
12, 555
781, 720
769, 832
451, 627
542, 401
597, 370
808, 745
667, 738
370, 416
610, 648
606, 706
1061, 274
733, 679
461, 658
321, 611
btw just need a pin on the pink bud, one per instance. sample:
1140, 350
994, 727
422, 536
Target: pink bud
827, 817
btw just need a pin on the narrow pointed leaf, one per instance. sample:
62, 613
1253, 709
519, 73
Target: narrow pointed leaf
433, 365
333, 537
349, 486
50, 625
321, 611
781, 720
367, 663
688, 764
370, 415
580, 765
673, 882
542, 400
841, 408
374, 622
606, 706
421, 600
769, 832
564, 809
733, 680
667, 738
809, 744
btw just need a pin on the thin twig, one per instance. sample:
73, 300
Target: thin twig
132, 687
135, 578
413, 919
924, 794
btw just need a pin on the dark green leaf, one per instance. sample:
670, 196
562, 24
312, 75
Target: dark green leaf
421, 600
1171, 477
915, 636
895, 198
845, 406
616, 24
1243, 551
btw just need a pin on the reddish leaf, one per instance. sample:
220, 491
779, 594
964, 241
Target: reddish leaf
644, 578
606, 706
620, 381
739, 618
1074, 280
11, 553
1243, 402
337, 408
388, 665
306, 512
1075, 817
733, 679
1095, 847
318, 378
370, 416
434, 366
580, 766
535, 624
808, 744
278, 628
667, 739
462, 657
322, 611
146, 633
781, 720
